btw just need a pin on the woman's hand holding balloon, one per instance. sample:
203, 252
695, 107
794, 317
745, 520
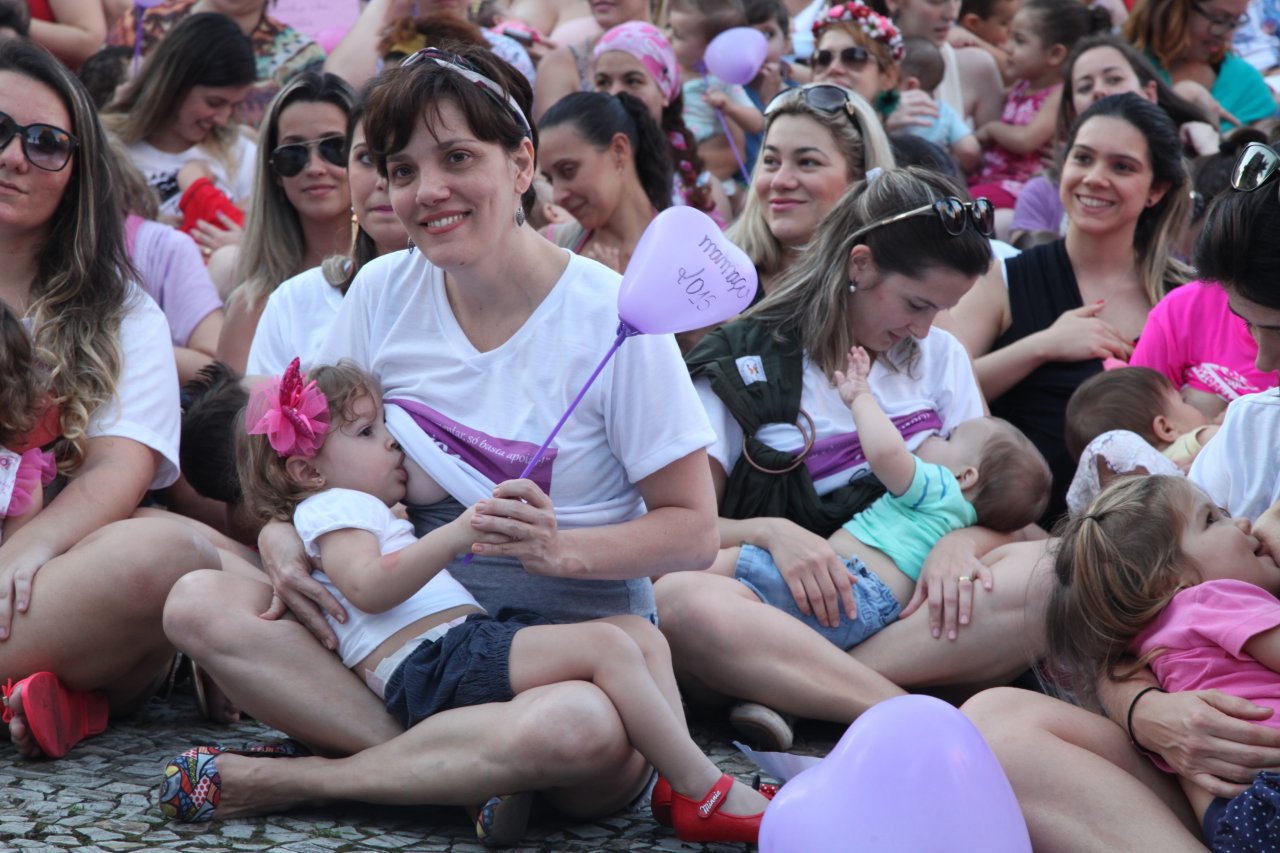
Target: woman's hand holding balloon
520, 521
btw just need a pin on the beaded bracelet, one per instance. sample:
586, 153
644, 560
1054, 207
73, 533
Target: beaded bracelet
1128, 723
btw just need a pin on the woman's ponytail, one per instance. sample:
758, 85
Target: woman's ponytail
649, 150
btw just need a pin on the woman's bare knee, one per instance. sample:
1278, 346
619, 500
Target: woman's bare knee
572, 727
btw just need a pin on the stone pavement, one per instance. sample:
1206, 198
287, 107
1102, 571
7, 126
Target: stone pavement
100, 799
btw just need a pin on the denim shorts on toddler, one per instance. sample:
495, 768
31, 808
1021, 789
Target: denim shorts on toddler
469, 665
877, 606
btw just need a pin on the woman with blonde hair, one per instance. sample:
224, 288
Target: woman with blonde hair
818, 141
180, 108
301, 212
81, 589
789, 468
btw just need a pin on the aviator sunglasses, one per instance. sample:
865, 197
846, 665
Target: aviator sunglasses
289, 160
850, 57
45, 146
1256, 167
954, 214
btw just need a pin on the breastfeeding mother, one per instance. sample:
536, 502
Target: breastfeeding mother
480, 364
789, 469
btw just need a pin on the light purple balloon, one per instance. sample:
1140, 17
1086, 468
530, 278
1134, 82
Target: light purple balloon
684, 274
910, 774
735, 56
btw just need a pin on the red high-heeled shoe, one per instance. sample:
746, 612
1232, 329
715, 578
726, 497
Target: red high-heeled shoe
702, 821
660, 800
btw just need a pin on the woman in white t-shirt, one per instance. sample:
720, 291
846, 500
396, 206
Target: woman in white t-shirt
179, 109
789, 468
480, 336
300, 311
81, 590
301, 211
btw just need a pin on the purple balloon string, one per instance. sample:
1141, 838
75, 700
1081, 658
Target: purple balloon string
625, 331
737, 155
138, 10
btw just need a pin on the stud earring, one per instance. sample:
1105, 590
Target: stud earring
853, 286
519, 216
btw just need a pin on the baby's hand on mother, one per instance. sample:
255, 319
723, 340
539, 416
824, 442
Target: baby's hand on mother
18, 567
519, 521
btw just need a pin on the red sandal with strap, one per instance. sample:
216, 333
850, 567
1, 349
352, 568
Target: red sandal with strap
660, 799
57, 717
702, 820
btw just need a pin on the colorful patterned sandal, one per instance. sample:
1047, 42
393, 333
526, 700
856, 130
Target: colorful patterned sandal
192, 786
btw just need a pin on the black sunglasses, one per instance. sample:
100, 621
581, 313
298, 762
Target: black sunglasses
823, 97
850, 57
45, 146
1256, 167
289, 160
951, 212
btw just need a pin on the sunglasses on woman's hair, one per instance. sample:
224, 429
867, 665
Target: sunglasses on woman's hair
1256, 167
954, 214
823, 97
45, 146
289, 160
850, 57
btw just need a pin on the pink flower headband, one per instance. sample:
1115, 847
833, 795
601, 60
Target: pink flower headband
646, 43
294, 417
873, 24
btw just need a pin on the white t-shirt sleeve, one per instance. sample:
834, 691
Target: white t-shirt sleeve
727, 445
955, 388
294, 323
650, 384
145, 407
339, 509
1231, 468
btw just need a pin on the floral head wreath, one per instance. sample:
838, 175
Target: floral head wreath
294, 417
873, 24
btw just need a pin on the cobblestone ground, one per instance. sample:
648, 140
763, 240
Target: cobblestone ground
101, 799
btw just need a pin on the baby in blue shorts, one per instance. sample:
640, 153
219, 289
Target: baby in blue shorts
985, 472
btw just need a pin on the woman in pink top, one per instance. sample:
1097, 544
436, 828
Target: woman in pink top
1192, 337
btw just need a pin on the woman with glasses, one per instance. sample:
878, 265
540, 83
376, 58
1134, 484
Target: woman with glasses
476, 334
788, 467
81, 589
1105, 791
1071, 304
860, 50
1190, 43
301, 211
179, 109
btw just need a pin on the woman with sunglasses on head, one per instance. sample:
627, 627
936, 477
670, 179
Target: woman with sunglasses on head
628, 492
893, 252
1071, 304
81, 589
819, 140
301, 211
179, 110
1189, 41
1105, 791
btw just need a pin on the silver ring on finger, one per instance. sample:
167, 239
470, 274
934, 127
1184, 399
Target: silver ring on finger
965, 579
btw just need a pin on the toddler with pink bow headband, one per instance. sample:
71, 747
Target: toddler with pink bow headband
317, 450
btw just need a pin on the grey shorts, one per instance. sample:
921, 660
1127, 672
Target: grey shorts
877, 606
